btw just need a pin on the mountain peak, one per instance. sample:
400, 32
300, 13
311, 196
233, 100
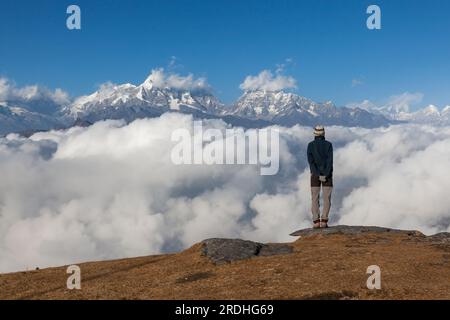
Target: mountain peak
159, 93
155, 79
446, 110
431, 109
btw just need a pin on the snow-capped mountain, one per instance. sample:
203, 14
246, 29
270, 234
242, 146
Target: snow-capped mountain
254, 108
285, 108
155, 96
428, 115
33, 109
20, 120
149, 99
445, 114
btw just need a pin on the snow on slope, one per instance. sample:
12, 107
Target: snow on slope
428, 115
20, 120
34, 108
289, 109
151, 98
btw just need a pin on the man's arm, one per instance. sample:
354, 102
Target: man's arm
329, 161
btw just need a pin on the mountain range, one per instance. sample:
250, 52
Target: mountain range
427, 115
255, 108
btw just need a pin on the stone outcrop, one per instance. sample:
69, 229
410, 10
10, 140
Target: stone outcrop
228, 250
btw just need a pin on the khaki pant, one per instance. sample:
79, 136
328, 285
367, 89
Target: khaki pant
315, 207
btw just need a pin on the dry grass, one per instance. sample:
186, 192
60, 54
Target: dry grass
321, 267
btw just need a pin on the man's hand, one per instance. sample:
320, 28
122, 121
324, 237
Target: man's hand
323, 178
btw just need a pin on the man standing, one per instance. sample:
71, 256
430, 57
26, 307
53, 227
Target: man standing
320, 158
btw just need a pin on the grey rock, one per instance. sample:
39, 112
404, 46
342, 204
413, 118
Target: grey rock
227, 250
352, 230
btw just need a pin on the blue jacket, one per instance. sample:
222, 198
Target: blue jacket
320, 157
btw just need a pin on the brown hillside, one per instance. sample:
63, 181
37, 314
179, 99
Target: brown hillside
321, 264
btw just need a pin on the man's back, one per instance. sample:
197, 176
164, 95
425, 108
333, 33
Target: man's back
320, 157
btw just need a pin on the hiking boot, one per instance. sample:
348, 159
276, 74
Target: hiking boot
324, 224
316, 224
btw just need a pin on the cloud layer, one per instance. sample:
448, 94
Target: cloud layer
111, 191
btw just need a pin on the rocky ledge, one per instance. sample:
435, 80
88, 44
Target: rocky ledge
439, 238
352, 230
222, 251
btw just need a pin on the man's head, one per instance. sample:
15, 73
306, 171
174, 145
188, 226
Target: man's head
319, 131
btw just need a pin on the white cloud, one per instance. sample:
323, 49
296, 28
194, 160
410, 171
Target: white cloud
357, 82
160, 79
174, 64
265, 80
365, 104
395, 104
10, 92
4, 89
110, 190
281, 67
404, 101
60, 96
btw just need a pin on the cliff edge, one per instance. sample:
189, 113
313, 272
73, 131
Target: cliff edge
321, 264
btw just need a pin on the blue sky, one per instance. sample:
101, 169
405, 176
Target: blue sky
225, 41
